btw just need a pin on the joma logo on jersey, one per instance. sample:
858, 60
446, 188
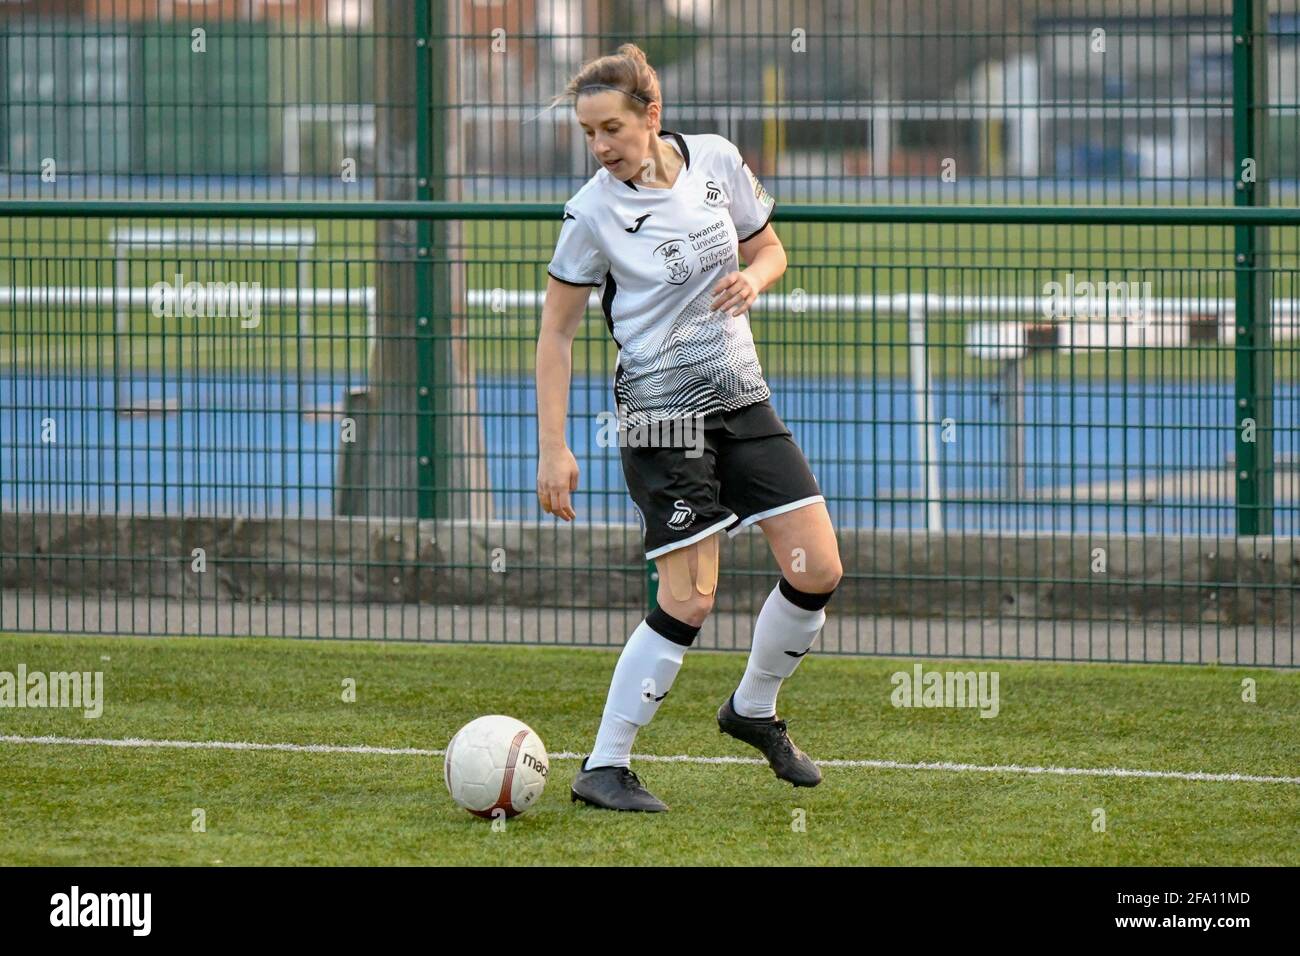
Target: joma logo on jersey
714, 194
673, 256
683, 516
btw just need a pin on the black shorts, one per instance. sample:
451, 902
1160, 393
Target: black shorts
739, 468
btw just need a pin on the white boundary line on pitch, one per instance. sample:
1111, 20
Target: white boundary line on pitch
651, 758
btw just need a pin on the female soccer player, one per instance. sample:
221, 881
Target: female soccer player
657, 230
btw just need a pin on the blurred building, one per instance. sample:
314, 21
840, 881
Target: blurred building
116, 86
821, 90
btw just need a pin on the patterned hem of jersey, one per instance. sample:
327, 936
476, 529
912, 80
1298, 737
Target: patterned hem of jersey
633, 418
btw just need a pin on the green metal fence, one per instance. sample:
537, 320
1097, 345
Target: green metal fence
1043, 368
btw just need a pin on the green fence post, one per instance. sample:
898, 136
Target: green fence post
433, 318
1254, 354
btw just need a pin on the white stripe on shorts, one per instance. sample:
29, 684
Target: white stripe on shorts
772, 512
657, 552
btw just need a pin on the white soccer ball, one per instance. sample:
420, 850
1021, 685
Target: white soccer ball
496, 766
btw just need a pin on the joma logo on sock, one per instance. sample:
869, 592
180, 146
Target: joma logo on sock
946, 689
76, 689
103, 909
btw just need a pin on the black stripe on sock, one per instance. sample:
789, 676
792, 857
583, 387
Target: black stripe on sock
679, 632
803, 599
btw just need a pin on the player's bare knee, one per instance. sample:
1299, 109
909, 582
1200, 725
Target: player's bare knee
694, 610
820, 576
831, 574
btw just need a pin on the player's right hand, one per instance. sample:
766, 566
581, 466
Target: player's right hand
557, 476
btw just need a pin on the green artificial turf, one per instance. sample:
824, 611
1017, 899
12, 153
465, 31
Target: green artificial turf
87, 804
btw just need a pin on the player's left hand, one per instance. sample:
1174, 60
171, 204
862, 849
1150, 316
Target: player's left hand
734, 293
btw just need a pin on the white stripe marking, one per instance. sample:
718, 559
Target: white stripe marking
945, 766
220, 745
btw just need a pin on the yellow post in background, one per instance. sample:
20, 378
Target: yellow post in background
995, 160
773, 128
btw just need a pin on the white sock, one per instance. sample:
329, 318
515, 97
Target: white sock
782, 636
642, 678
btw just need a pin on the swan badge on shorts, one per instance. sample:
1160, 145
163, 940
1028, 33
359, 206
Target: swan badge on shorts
683, 516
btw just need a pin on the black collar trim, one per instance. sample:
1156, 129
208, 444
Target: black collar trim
681, 144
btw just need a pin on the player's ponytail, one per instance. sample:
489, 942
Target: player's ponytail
626, 70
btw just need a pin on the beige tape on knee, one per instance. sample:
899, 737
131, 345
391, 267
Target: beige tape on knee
677, 566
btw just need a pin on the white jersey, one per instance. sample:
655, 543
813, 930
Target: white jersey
655, 255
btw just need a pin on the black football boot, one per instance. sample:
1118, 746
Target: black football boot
614, 788
768, 735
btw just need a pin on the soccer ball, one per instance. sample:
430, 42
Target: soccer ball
495, 765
